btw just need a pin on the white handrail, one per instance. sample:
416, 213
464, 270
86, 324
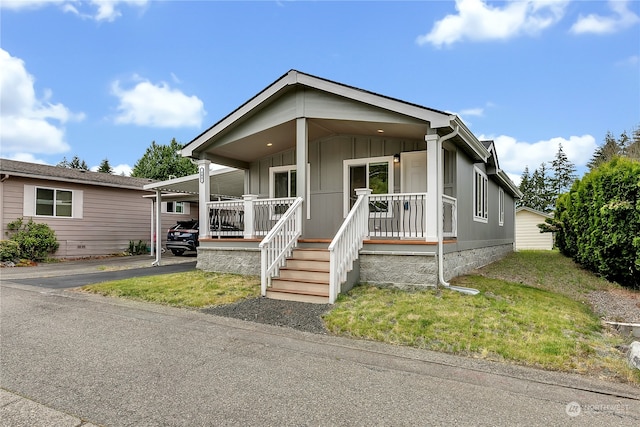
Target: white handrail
345, 246
279, 242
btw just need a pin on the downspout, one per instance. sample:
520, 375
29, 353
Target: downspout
440, 225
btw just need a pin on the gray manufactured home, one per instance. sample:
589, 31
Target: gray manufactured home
344, 185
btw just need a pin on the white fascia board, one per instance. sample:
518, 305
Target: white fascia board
187, 150
436, 119
472, 142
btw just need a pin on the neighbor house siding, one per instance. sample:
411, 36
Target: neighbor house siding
111, 217
528, 235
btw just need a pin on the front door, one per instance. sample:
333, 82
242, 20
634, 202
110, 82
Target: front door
413, 179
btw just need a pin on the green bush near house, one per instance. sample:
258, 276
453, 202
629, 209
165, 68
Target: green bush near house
36, 241
9, 250
598, 222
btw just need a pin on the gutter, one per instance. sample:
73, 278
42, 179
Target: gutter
441, 281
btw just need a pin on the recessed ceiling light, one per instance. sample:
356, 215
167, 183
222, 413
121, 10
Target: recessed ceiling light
380, 130
269, 144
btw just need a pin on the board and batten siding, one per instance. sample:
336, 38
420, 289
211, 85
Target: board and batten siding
528, 235
110, 219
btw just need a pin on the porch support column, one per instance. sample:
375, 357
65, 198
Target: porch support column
204, 194
433, 181
302, 144
249, 230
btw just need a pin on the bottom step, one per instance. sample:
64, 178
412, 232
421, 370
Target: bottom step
292, 296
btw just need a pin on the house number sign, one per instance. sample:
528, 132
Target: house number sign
202, 175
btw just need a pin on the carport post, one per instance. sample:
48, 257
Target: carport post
158, 236
204, 191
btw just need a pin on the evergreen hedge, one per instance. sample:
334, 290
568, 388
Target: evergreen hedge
598, 221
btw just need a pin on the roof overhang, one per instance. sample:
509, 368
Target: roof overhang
225, 182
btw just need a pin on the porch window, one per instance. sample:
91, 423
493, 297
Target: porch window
375, 173
500, 207
54, 202
282, 184
480, 196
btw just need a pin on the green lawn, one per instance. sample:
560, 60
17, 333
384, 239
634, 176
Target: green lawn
530, 311
193, 289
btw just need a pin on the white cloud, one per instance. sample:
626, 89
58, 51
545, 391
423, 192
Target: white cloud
515, 155
25, 157
29, 124
122, 169
477, 112
478, 21
632, 61
146, 104
621, 19
100, 10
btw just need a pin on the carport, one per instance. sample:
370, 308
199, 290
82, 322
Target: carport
224, 184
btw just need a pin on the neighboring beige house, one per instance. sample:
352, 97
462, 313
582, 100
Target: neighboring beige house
92, 213
528, 235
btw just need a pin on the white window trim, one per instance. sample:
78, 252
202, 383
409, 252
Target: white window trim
361, 162
30, 202
500, 207
186, 208
277, 169
482, 216
307, 191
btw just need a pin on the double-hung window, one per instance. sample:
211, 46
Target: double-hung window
480, 196
54, 202
375, 173
173, 207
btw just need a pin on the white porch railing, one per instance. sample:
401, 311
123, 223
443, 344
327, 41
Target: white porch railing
344, 247
247, 218
279, 242
449, 216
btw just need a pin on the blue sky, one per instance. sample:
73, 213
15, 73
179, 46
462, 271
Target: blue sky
103, 79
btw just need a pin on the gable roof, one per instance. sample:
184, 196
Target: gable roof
533, 211
10, 168
440, 121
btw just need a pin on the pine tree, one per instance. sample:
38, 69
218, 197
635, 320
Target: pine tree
526, 188
75, 163
605, 152
105, 167
632, 149
564, 174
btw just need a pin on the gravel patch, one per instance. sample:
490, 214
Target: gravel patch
617, 305
297, 315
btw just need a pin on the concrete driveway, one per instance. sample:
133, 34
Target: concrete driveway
92, 360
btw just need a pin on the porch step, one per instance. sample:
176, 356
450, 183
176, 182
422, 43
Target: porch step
304, 278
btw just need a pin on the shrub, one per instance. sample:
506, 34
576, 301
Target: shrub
35, 240
138, 248
9, 250
599, 221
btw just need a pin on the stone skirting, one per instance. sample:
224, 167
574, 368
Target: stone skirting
400, 270
229, 260
463, 262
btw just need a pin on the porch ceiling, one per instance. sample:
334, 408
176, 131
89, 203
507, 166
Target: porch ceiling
283, 137
223, 182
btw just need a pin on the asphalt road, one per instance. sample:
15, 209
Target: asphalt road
110, 362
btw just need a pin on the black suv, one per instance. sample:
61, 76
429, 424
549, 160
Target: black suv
183, 237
